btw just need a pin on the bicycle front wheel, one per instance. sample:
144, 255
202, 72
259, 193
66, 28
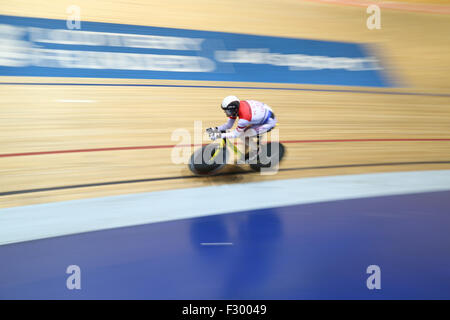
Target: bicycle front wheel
208, 159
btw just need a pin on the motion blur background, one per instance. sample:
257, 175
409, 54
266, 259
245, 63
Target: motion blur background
86, 144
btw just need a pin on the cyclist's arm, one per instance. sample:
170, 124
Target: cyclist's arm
227, 125
242, 125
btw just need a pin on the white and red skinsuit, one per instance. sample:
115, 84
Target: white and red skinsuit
253, 115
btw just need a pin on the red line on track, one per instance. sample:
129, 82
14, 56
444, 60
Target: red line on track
360, 140
195, 145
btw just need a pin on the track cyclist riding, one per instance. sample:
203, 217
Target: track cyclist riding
255, 118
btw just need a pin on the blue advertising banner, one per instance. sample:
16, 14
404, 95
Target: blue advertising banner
48, 48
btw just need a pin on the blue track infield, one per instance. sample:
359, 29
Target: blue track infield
305, 251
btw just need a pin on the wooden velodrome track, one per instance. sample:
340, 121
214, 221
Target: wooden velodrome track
327, 130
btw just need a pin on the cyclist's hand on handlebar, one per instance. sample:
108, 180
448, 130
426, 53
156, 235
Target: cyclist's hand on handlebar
214, 133
212, 130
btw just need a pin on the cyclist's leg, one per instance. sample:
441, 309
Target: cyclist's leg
266, 127
248, 139
260, 130
253, 134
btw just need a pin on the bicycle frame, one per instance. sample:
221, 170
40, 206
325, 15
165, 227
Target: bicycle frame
226, 143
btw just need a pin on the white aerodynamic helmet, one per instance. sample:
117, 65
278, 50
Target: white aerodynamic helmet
230, 105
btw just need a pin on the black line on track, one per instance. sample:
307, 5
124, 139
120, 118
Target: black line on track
99, 184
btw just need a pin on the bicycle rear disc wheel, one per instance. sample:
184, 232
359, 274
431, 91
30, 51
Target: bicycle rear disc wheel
271, 154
